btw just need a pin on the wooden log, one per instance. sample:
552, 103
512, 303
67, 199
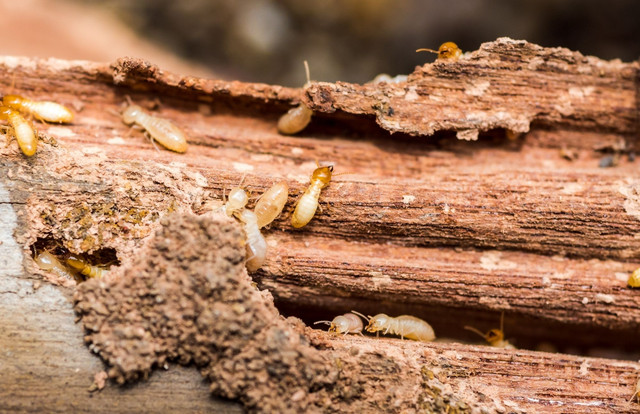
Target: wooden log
407, 231
505, 84
506, 381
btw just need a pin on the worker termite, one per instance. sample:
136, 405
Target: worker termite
494, 337
159, 129
636, 393
49, 262
634, 279
86, 268
271, 203
308, 203
406, 326
256, 245
446, 51
42, 110
297, 118
22, 129
349, 323
236, 200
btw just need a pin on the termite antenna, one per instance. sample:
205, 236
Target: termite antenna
325, 322
367, 318
427, 50
242, 179
128, 98
306, 69
502, 322
472, 329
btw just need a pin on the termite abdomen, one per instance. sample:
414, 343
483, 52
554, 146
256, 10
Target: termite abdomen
22, 129
271, 203
42, 110
160, 129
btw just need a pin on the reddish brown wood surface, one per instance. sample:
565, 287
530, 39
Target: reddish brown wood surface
452, 231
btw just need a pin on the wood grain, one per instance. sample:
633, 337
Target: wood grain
453, 231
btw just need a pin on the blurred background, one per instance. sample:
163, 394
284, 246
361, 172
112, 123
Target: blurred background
267, 40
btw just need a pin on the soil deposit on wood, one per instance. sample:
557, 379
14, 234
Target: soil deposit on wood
190, 299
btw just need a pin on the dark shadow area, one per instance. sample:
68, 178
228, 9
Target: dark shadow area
523, 331
50, 255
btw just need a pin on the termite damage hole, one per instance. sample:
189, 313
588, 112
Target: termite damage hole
66, 268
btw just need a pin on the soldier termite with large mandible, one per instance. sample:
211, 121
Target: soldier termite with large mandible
349, 323
22, 129
494, 337
41, 110
308, 203
297, 118
406, 326
271, 203
159, 129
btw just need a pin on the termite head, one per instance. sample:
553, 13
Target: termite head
323, 174
130, 114
238, 198
339, 324
634, 279
449, 50
494, 336
344, 324
12, 101
378, 323
446, 51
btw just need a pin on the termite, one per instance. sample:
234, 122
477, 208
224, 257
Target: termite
271, 203
86, 268
634, 279
47, 261
308, 203
22, 129
406, 326
494, 337
446, 51
348, 323
256, 245
42, 110
159, 129
236, 200
636, 393
297, 118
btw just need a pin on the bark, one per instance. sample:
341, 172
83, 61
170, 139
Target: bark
452, 231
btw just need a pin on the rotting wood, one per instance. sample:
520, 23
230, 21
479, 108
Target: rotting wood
505, 84
571, 291
180, 299
493, 193
515, 381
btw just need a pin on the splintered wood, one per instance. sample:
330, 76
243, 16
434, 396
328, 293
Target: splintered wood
522, 221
